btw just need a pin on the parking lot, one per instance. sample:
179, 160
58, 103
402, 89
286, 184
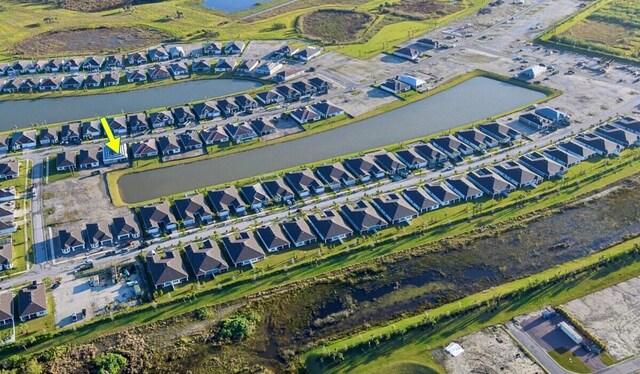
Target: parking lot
551, 338
76, 294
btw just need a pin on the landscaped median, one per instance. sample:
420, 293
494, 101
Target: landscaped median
279, 271
327, 125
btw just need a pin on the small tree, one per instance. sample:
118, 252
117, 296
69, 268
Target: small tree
110, 363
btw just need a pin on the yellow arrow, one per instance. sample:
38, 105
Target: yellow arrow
113, 143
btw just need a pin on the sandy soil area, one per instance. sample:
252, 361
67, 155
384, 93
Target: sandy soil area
73, 202
489, 351
613, 314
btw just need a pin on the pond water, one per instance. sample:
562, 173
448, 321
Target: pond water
231, 6
24, 113
467, 102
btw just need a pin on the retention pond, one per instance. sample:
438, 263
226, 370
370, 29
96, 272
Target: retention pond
24, 113
467, 102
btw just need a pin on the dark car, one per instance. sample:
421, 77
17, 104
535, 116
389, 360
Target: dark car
74, 317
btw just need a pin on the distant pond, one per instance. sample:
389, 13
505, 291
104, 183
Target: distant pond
24, 113
232, 6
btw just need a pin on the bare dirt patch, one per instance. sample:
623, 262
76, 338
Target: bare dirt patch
96, 40
424, 9
488, 351
73, 202
93, 5
613, 315
334, 25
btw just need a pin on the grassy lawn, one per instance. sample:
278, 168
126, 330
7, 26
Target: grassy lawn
608, 27
38, 325
417, 344
20, 21
569, 361
55, 175
316, 127
335, 26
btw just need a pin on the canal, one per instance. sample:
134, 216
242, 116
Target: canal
467, 102
24, 113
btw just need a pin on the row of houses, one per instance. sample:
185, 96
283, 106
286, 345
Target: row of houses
60, 82
99, 235
111, 62
75, 132
363, 217
31, 303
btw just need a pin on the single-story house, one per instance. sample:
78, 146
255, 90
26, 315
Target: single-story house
420, 200
71, 241
193, 210
32, 301
157, 218
363, 218
88, 158
206, 259
330, 226
394, 208
167, 271
225, 201
98, 235
66, 161
144, 148
272, 237
244, 249
299, 232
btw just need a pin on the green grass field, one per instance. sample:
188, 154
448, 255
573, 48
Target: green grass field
19, 21
609, 27
569, 361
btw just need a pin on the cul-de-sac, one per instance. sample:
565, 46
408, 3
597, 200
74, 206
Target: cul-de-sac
302, 186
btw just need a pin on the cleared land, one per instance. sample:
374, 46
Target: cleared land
613, 28
424, 9
101, 39
613, 315
335, 26
488, 351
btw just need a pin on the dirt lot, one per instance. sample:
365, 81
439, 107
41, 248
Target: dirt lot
73, 202
426, 8
89, 41
334, 25
488, 351
613, 314
73, 295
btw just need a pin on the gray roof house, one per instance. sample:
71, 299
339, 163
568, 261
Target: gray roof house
420, 200
411, 158
244, 249
168, 145
98, 235
47, 136
6, 257
303, 182
389, 162
6, 308
278, 190
364, 168
192, 210
305, 115
517, 174
490, 183
157, 218
441, 193
395, 86
542, 166
335, 176
24, 140
137, 122
270, 97
465, 189
476, 139
618, 135
71, 241
363, 218
564, 158
330, 226
431, 154
183, 114
394, 208
65, 161
88, 158
206, 111
206, 259
9, 169
452, 147
326, 109
240, 132
167, 271
161, 119
577, 149
226, 200
214, 135
91, 129
32, 301
502, 133
125, 228
628, 123
144, 148
255, 196
263, 128
272, 237
190, 141
299, 232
